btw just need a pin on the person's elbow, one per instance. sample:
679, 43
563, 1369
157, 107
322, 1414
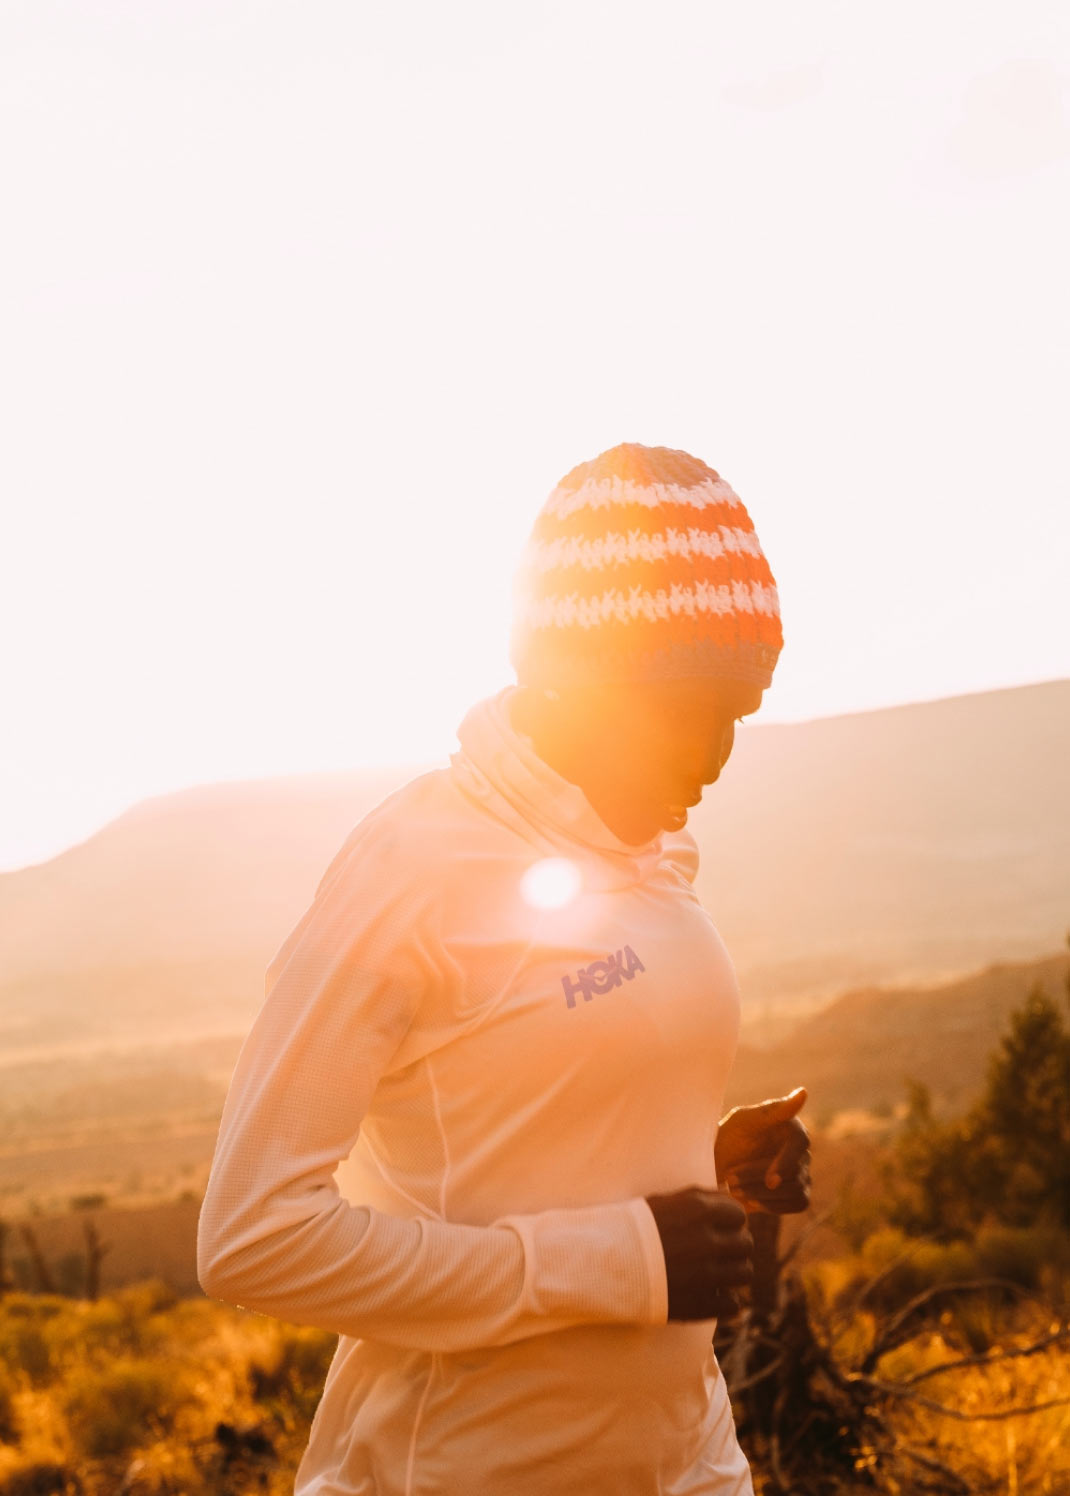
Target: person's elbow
218, 1270
230, 1256
258, 1254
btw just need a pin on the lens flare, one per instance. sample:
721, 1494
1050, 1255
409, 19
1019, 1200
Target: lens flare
551, 883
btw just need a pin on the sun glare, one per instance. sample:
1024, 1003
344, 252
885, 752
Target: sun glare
551, 883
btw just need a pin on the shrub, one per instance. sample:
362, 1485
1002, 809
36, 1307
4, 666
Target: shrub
151, 1296
937, 1263
128, 1320
296, 1370
24, 1347
973, 1321
1019, 1254
38, 1306
29, 1327
9, 1424
886, 1262
112, 1409
1009, 1157
900, 1267
42, 1478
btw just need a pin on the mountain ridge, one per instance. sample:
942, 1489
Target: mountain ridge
859, 1051
905, 843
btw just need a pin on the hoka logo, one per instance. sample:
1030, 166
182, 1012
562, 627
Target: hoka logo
602, 976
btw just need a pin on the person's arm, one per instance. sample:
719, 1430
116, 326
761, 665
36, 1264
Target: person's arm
275, 1234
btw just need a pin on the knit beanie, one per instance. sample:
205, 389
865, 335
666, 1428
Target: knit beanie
644, 565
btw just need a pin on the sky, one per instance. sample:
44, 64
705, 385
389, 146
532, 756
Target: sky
305, 308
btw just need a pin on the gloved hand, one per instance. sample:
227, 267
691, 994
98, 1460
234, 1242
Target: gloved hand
707, 1251
762, 1155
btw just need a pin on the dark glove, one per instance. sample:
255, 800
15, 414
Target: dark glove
707, 1251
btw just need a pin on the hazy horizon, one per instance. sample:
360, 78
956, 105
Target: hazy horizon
419, 763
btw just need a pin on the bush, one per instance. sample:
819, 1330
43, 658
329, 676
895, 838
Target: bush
127, 1320
901, 1267
26, 1349
39, 1306
935, 1264
111, 1410
24, 1339
88, 1202
1009, 1157
886, 1261
1020, 1253
42, 1479
973, 1322
296, 1371
9, 1424
151, 1296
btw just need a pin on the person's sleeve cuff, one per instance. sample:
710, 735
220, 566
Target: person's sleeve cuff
654, 1257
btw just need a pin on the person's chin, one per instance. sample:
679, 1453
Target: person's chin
641, 830
673, 817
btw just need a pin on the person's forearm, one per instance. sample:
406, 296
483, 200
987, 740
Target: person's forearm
433, 1284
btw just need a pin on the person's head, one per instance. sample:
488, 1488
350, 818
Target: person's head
647, 623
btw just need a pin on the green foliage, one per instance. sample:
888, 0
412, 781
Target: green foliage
897, 1268
893, 1267
1008, 1159
1021, 1254
1026, 1109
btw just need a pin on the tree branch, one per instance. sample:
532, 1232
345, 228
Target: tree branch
867, 1288
895, 1389
758, 1376
989, 1358
886, 1341
803, 1237
928, 1462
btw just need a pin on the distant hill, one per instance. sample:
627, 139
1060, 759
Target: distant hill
904, 844
858, 1052
140, 1125
912, 842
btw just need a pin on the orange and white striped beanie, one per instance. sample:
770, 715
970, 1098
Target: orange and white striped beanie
642, 565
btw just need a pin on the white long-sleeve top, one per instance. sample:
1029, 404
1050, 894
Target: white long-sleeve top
441, 1129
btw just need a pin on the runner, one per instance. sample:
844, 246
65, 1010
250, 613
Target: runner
474, 1128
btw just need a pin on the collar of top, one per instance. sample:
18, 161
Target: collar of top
500, 767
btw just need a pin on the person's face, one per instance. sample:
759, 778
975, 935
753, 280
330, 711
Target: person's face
661, 743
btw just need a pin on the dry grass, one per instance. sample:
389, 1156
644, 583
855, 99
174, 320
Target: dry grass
1026, 1455
128, 1395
